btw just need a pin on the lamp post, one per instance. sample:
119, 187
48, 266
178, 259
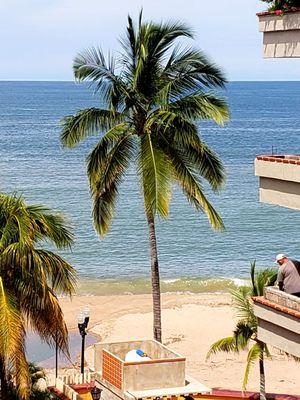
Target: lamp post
96, 393
83, 320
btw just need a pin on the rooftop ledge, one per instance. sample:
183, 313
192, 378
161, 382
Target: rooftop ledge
279, 179
277, 12
280, 301
281, 33
278, 315
285, 159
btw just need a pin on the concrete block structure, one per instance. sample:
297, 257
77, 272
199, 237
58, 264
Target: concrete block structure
163, 374
278, 316
281, 34
279, 180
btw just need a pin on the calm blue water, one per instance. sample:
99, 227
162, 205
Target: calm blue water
264, 114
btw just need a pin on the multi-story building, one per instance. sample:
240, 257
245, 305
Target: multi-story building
278, 313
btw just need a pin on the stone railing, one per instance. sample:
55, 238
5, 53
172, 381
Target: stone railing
275, 295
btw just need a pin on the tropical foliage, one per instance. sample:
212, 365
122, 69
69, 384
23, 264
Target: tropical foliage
30, 277
245, 332
282, 5
36, 375
151, 97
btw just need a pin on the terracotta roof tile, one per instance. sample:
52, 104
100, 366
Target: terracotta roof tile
275, 306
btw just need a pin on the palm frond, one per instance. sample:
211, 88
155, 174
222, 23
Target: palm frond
242, 303
51, 226
76, 128
155, 171
186, 177
201, 105
21, 372
252, 275
11, 324
42, 309
227, 345
104, 185
187, 71
254, 354
15, 221
265, 277
97, 160
243, 332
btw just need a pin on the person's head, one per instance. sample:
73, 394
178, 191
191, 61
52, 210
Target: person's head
281, 258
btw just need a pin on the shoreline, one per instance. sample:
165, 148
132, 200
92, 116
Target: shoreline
191, 323
142, 285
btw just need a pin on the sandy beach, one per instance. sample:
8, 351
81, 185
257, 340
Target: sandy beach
191, 322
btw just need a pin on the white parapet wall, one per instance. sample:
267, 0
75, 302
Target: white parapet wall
279, 180
278, 316
281, 34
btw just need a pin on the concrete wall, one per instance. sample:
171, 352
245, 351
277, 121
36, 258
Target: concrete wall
282, 170
281, 35
279, 337
154, 349
154, 375
278, 329
272, 293
165, 369
281, 193
279, 181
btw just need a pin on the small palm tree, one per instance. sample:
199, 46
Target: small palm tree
151, 96
29, 278
246, 328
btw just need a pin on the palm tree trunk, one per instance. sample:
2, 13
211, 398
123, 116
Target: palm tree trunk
262, 380
155, 280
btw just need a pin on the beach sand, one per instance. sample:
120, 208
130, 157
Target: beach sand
191, 322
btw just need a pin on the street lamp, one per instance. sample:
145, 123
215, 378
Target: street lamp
83, 320
96, 393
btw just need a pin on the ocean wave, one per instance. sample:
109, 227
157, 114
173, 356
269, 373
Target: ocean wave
143, 285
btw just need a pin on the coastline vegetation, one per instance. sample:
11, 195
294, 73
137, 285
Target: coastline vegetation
30, 278
245, 332
153, 95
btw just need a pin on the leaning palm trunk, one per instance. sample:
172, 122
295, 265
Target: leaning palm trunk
262, 380
155, 282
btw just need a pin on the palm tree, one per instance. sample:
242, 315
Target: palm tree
29, 278
246, 328
151, 97
36, 374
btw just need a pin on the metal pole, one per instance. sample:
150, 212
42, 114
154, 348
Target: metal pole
56, 357
82, 352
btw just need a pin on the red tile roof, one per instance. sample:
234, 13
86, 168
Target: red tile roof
275, 306
278, 159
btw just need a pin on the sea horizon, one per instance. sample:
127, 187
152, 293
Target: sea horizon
33, 162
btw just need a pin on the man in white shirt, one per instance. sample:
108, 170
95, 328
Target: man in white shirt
288, 276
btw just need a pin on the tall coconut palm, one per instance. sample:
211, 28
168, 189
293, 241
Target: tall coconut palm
151, 97
245, 331
30, 277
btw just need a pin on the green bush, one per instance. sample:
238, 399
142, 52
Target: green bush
284, 5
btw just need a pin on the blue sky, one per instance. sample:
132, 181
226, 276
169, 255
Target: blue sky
39, 38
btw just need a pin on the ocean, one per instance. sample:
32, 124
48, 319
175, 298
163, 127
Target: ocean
264, 118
